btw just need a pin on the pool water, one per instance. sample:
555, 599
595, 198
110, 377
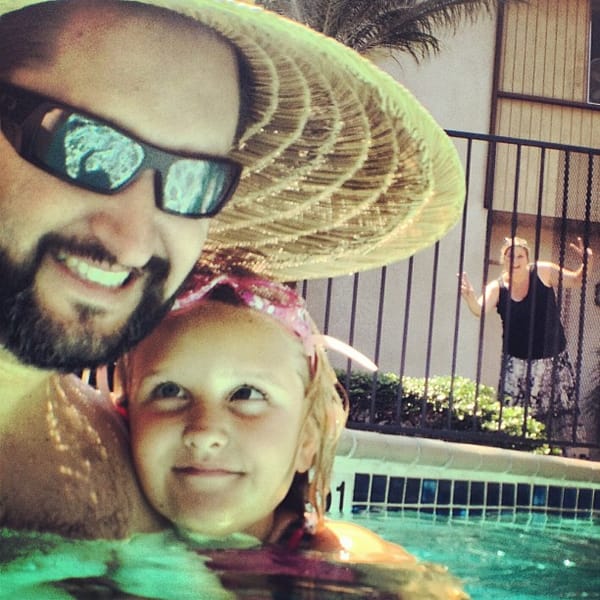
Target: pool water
550, 560
166, 567
523, 558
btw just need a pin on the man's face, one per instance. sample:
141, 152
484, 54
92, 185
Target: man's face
75, 264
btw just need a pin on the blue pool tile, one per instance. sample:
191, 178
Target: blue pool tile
584, 499
428, 491
493, 494
461, 492
555, 494
444, 492
361, 487
523, 494
540, 495
508, 494
477, 493
569, 498
413, 488
378, 488
396, 490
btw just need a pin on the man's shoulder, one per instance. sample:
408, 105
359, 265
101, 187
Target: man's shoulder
66, 465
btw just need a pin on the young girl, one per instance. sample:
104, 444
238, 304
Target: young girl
235, 413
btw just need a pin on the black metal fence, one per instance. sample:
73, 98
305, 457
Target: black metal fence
441, 366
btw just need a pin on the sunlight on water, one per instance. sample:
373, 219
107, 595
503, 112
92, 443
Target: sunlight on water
161, 566
494, 560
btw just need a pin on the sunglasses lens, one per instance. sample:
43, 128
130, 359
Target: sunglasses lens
88, 152
198, 187
96, 156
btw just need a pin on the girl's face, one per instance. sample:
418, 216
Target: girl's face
520, 258
217, 413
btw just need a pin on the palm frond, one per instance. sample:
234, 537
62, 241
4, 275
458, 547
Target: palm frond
405, 25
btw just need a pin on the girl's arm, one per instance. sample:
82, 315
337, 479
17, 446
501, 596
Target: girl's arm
551, 273
489, 299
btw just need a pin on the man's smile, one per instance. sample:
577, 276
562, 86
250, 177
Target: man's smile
92, 271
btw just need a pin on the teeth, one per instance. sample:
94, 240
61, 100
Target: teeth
94, 274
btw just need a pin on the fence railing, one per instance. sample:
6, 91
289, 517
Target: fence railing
442, 366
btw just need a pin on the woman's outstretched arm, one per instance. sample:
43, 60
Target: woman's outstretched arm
551, 273
485, 301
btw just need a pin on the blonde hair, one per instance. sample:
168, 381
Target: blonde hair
327, 413
513, 242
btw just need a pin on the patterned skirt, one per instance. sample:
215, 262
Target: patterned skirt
549, 392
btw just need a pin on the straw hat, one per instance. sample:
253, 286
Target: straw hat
344, 169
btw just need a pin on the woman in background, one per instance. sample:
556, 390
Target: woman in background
536, 369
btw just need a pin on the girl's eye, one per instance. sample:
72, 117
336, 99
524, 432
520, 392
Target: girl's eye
168, 389
167, 397
247, 392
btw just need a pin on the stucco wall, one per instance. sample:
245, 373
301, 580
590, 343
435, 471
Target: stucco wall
455, 86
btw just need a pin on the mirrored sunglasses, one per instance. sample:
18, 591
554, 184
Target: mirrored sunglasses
91, 153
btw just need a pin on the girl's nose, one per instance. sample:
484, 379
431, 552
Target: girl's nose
206, 432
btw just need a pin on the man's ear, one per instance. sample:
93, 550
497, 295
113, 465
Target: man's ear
308, 445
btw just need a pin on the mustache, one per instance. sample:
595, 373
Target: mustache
33, 337
93, 250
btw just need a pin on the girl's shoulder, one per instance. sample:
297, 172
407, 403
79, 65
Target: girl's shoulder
357, 543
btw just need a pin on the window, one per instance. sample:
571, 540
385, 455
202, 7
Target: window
594, 74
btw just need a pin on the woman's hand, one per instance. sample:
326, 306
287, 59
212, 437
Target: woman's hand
466, 288
581, 249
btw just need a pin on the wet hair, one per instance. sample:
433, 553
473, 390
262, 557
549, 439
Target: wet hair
29, 38
327, 413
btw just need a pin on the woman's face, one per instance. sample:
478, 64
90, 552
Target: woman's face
516, 258
217, 412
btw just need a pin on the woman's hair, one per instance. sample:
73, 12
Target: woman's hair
514, 242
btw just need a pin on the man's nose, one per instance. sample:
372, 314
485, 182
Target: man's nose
126, 223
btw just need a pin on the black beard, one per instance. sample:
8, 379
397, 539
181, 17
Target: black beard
36, 339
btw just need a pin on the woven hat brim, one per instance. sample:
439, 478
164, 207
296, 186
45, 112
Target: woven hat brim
344, 170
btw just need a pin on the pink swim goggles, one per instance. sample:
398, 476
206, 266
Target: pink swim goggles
273, 299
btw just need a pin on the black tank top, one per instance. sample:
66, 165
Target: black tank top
548, 337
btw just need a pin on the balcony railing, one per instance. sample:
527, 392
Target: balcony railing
409, 317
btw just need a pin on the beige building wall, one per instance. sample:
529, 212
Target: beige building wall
543, 58
455, 86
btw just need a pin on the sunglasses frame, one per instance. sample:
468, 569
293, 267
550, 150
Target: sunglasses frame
25, 109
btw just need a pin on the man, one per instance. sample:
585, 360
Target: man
118, 120
81, 263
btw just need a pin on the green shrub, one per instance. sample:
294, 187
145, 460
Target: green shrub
455, 403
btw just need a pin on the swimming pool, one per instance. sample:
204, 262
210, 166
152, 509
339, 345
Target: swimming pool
517, 559
496, 560
511, 526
